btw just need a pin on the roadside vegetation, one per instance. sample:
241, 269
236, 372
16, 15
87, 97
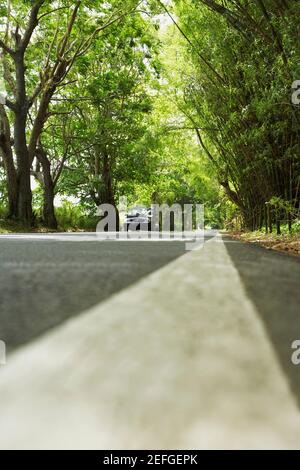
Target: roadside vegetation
286, 241
161, 102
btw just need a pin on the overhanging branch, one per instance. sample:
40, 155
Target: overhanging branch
6, 48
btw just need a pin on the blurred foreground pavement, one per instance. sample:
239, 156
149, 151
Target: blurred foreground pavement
194, 355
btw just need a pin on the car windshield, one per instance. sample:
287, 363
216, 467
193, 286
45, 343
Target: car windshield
137, 213
133, 214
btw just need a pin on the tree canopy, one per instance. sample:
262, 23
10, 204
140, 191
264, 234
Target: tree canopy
183, 101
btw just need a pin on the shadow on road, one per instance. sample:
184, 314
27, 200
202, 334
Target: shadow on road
45, 282
272, 282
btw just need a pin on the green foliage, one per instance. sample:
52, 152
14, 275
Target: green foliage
72, 216
238, 87
3, 211
157, 115
280, 204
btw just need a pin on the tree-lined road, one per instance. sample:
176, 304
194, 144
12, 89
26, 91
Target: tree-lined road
191, 351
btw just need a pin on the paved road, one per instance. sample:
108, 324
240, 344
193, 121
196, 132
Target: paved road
166, 350
46, 279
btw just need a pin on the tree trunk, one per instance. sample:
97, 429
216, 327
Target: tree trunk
49, 218
24, 212
48, 208
25, 196
7, 155
232, 195
108, 193
12, 189
49, 194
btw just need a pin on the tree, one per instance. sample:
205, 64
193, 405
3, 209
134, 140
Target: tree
113, 111
56, 37
242, 54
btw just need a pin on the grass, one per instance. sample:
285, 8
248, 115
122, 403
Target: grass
70, 218
10, 226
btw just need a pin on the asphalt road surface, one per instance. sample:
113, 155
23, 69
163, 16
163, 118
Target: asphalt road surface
46, 279
144, 345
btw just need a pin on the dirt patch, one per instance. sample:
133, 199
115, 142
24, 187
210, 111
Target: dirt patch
290, 247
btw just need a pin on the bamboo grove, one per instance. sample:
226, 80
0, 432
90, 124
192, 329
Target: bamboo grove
246, 61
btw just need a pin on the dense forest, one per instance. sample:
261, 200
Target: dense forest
190, 101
